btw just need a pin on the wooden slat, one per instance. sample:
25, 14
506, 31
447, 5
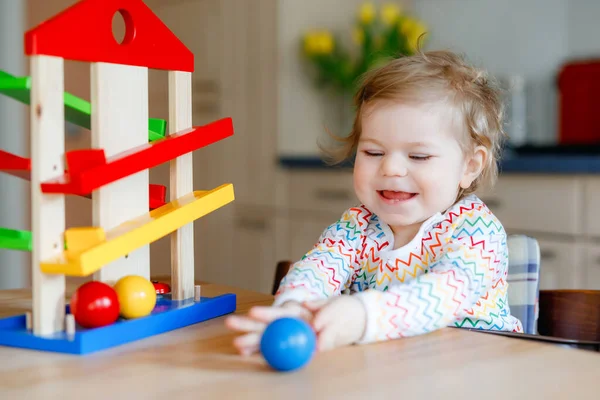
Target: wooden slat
181, 183
47, 211
268, 79
120, 122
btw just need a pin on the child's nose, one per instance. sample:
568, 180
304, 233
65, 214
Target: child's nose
393, 166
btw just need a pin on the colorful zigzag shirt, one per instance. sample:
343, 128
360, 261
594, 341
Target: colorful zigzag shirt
453, 272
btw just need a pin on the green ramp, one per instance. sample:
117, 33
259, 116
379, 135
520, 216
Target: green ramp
77, 110
15, 240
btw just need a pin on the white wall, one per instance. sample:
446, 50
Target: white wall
521, 37
532, 38
305, 112
528, 37
583, 28
14, 265
508, 37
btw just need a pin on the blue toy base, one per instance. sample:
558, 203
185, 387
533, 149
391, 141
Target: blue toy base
167, 315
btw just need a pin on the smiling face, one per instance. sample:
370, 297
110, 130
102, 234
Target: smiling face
409, 163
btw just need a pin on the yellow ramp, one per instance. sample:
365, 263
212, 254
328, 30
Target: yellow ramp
89, 249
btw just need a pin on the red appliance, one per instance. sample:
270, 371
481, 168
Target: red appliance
579, 102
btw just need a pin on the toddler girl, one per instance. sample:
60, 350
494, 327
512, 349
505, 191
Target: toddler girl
422, 251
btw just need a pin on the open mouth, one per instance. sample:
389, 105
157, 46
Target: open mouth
394, 196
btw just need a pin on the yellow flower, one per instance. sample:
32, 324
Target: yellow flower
318, 42
310, 45
390, 13
406, 26
326, 43
366, 13
412, 30
358, 35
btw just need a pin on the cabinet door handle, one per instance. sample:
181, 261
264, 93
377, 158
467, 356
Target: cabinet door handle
333, 194
252, 224
547, 255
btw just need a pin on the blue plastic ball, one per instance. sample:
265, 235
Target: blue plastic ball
288, 344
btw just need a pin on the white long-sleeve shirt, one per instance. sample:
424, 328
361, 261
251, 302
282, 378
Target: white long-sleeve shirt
453, 272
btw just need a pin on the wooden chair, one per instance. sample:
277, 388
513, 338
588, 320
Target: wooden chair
570, 314
524, 266
280, 271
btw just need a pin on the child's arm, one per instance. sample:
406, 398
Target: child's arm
463, 272
323, 271
327, 269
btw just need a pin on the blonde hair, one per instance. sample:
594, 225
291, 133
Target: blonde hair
435, 76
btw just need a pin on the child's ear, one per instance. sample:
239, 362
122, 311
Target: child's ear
474, 165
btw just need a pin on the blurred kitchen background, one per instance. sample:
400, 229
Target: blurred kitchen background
252, 60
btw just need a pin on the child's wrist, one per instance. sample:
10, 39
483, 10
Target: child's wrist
361, 311
297, 295
368, 300
290, 303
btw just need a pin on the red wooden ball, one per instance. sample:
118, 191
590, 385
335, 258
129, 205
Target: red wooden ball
161, 288
95, 304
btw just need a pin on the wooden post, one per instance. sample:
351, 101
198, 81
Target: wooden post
47, 211
120, 122
181, 183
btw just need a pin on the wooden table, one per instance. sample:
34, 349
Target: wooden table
199, 362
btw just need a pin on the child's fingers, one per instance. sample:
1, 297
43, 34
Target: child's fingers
268, 314
244, 324
247, 344
315, 305
327, 339
322, 318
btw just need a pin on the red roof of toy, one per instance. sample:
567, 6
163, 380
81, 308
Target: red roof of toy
83, 32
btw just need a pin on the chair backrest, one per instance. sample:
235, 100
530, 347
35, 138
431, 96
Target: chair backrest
280, 271
524, 280
571, 314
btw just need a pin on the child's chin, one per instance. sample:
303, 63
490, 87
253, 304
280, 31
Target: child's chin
395, 220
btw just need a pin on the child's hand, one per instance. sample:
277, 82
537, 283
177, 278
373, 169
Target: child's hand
257, 320
338, 321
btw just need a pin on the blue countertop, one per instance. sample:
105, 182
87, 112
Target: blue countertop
531, 164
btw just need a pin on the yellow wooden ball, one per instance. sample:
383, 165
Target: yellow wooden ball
137, 296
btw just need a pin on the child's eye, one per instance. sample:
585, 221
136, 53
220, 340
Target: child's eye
371, 153
420, 157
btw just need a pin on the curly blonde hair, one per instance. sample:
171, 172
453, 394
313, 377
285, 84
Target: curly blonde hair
435, 76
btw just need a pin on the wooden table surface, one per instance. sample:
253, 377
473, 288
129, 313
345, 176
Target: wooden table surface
199, 362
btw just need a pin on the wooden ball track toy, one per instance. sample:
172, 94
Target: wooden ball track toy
114, 173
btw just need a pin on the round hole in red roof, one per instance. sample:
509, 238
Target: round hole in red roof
122, 27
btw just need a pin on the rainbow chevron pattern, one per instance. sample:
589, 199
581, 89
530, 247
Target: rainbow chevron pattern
453, 273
